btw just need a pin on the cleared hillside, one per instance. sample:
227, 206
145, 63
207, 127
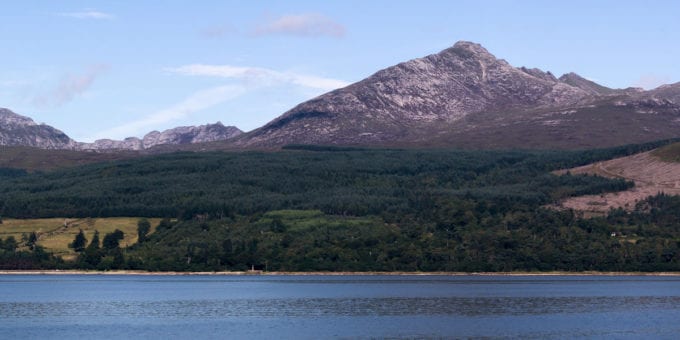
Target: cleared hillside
653, 172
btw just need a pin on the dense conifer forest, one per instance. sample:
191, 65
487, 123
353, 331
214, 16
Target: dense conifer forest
311, 208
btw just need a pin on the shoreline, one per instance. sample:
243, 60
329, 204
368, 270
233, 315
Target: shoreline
321, 273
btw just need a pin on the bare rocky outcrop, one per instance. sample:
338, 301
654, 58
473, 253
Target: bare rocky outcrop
669, 92
589, 86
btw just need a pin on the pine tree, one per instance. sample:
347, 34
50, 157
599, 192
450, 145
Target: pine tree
143, 228
92, 255
32, 239
94, 244
79, 242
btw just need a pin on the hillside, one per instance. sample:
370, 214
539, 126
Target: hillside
334, 180
37, 159
311, 208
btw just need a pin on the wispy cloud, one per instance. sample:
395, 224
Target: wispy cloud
306, 25
196, 102
260, 76
70, 86
88, 14
214, 32
650, 81
13, 83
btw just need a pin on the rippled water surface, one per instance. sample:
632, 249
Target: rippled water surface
199, 307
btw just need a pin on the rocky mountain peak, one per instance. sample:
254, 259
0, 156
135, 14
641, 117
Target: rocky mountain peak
437, 89
16, 129
582, 83
7, 117
466, 96
468, 49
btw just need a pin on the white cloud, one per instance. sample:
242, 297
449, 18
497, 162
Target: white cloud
260, 76
70, 86
651, 81
196, 102
88, 14
306, 25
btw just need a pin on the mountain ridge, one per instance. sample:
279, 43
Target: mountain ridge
175, 136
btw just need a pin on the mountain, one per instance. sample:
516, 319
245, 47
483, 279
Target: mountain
177, 136
17, 130
464, 96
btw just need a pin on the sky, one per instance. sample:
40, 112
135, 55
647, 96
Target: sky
115, 69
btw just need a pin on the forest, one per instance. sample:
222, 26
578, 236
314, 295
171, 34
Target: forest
319, 208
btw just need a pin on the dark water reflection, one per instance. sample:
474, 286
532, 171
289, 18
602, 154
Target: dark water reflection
338, 307
317, 307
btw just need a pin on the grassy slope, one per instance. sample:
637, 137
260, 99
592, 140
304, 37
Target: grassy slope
668, 153
56, 233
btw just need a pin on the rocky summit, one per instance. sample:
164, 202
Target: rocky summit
17, 130
466, 97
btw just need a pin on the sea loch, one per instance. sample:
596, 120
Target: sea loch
138, 306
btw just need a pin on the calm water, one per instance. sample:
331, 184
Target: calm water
315, 307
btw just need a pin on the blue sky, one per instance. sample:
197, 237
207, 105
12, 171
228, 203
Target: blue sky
112, 69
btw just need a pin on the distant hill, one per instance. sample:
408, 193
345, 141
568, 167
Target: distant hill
465, 97
18, 130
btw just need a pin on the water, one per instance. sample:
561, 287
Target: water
313, 307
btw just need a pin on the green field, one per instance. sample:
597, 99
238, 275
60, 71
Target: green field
56, 233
